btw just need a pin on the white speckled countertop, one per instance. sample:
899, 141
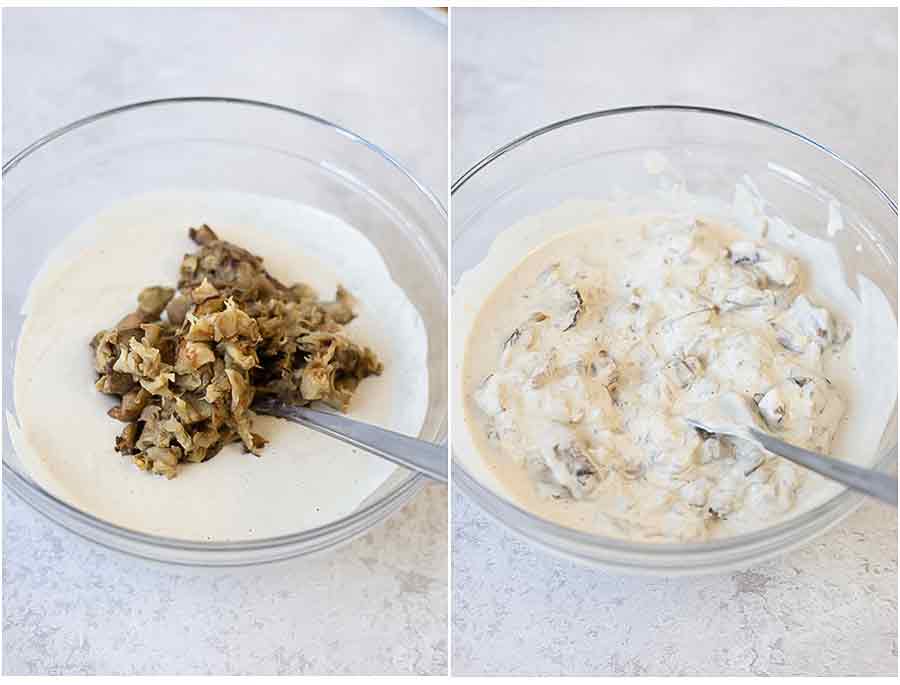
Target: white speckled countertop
829, 608
377, 606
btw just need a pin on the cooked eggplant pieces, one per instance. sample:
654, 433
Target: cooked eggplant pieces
187, 364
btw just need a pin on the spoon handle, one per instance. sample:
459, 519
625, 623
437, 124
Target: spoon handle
418, 455
871, 482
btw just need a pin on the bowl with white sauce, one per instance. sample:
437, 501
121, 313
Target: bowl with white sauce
99, 209
620, 271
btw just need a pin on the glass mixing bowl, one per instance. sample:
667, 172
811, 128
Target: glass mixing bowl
203, 143
596, 155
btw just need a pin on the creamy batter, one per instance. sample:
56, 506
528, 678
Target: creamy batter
61, 431
584, 358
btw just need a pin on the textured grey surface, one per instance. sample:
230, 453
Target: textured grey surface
829, 608
831, 74
381, 73
376, 606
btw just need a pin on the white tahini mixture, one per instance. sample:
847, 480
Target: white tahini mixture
65, 439
583, 361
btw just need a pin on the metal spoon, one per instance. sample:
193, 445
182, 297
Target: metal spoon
418, 455
868, 481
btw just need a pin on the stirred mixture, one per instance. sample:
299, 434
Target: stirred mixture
613, 337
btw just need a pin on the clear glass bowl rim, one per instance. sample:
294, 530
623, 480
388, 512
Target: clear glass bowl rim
834, 510
375, 511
